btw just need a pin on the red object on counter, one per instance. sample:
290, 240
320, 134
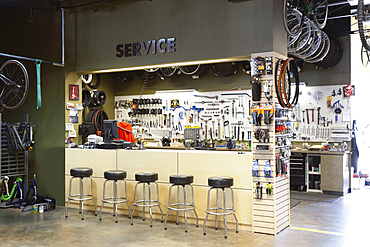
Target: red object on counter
125, 135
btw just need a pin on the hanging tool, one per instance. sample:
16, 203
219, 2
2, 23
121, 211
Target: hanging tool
318, 115
337, 110
303, 115
206, 96
226, 124
308, 118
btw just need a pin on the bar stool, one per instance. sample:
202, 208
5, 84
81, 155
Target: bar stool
181, 180
220, 182
146, 178
81, 173
114, 176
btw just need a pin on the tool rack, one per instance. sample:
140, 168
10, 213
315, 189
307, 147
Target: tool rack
271, 214
13, 164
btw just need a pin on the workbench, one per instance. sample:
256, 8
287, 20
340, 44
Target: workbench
334, 170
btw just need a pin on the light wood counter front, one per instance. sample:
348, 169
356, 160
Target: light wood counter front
200, 164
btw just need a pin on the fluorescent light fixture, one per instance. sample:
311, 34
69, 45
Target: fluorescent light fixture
177, 91
221, 60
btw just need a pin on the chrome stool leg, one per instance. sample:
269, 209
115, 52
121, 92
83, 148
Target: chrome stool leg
133, 210
205, 220
69, 196
150, 207
192, 200
216, 208
232, 201
178, 205
101, 208
143, 201
81, 196
129, 209
159, 204
92, 195
168, 208
186, 221
225, 212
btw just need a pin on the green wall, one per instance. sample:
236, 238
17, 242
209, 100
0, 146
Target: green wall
41, 39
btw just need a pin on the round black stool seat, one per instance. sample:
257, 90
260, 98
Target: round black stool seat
146, 177
181, 179
220, 181
81, 172
115, 175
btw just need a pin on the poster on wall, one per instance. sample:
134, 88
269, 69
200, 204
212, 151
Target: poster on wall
73, 116
74, 92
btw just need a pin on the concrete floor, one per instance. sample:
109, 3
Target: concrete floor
341, 223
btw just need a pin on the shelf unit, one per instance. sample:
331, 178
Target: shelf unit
313, 176
13, 164
271, 214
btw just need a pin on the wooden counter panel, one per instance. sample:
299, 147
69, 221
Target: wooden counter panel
164, 163
205, 165
99, 160
332, 173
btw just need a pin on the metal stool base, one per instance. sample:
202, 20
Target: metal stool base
115, 200
81, 197
224, 210
143, 203
178, 207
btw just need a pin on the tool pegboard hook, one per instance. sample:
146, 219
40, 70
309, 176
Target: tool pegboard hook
30, 20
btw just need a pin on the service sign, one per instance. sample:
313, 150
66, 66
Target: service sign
146, 48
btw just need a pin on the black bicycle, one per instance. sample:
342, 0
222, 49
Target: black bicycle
296, 11
14, 84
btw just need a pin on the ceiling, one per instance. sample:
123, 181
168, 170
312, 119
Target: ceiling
337, 25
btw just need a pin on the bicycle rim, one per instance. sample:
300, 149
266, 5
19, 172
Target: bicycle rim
14, 94
362, 27
292, 18
320, 12
189, 70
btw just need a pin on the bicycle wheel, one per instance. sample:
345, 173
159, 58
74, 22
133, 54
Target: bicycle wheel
363, 27
320, 12
292, 17
14, 85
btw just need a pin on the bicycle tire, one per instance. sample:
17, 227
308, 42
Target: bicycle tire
86, 78
125, 76
189, 70
361, 17
246, 67
14, 71
98, 81
233, 69
86, 97
335, 59
169, 72
317, 15
202, 71
290, 13
99, 98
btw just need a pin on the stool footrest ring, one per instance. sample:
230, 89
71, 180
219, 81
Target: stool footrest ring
141, 203
89, 197
181, 205
111, 200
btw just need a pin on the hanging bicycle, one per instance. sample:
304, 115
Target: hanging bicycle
14, 84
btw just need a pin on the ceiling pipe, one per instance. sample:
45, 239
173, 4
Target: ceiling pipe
62, 64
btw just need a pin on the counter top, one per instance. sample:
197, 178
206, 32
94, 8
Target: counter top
318, 152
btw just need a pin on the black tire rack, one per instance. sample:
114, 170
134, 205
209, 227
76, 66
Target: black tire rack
13, 164
271, 206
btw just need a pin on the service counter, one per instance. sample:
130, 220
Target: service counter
199, 163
